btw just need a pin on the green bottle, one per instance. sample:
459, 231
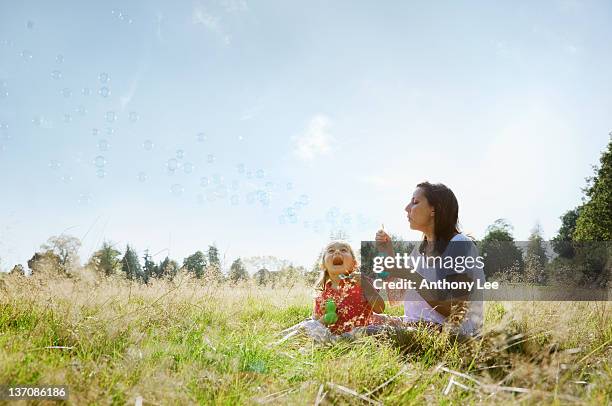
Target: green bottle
330, 316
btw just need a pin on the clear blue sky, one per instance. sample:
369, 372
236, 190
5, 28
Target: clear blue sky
342, 106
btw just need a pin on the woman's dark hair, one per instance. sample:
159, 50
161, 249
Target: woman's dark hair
446, 208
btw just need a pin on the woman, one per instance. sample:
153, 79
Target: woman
433, 210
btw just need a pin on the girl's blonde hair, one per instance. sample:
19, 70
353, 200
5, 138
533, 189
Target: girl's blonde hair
319, 285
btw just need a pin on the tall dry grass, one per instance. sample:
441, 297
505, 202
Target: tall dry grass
183, 341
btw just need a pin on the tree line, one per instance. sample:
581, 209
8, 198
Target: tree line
580, 253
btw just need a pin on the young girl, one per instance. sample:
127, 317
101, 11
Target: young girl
343, 292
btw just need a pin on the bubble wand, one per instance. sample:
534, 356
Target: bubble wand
382, 274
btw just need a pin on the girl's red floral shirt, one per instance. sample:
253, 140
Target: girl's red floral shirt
352, 308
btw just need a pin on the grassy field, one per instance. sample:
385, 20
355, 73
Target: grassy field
184, 342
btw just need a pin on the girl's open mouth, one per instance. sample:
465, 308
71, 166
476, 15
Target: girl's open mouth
338, 261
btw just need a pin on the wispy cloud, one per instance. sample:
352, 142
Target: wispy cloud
315, 140
211, 22
234, 6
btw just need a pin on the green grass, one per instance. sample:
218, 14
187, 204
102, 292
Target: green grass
185, 342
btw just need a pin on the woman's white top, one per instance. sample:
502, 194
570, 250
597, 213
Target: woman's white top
417, 309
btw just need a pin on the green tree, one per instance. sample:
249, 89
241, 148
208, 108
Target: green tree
563, 242
45, 263
168, 268
262, 277
500, 253
535, 257
213, 257
106, 260
196, 263
238, 272
149, 268
130, 265
594, 222
66, 247
213, 270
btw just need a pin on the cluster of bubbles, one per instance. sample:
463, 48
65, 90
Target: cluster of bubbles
290, 213
100, 164
104, 79
84, 198
253, 188
121, 16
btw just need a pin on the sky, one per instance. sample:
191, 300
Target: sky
261, 127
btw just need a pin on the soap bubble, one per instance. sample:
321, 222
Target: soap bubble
250, 198
187, 167
221, 191
110, 130
240, 168
59, 58
142, 177
111, 116
289, 186
133, 116
210, 158
66, 92
234, 200
201, 137
100, 161
304, 200
293, 219
217, 179
263, 196
346, 219
211, 196
26, 55
101, 173
67, 178
180, 154
235, 185
56, 75
95, 132
332, 215
204, 181
103, 145
30, 24
67, 118
37, 121
104, 78
86, 91
81, 110
249, 174
259, 174
53, 164
240, 138
172, 164
84, 198
104, 91
290, 211
148, 145
281, 220
176, 189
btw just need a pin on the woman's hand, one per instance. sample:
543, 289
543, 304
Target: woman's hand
383, 243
